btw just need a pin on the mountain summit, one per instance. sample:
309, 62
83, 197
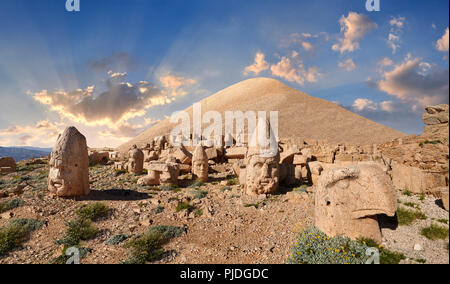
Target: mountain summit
301, 116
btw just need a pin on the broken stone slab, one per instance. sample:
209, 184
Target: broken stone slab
444, 197
8, 163
235, 153
416, 180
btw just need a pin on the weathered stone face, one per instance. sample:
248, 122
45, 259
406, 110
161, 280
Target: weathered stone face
262, 175
348, 199
69, 165
135, 160
200, 165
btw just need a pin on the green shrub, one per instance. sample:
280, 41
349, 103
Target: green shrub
11, 236
435, 232
11, 204
28, 225
93, 211
200, 194
146, 248
168, 232
79, 230
433, 142
117, 239
196, 183
256, 205
406, 217
159, 209
198, 212
407, 193
63, 258
184, 206
314, 247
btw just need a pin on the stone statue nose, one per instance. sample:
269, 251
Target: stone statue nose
265, 171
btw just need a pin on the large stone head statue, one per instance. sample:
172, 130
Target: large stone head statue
200, 165
348, 199
69, 165
135, 160
262, 162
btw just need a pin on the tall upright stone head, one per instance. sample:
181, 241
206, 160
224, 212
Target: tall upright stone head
348, 200
200, 165
69, 165
262, 161
135, 160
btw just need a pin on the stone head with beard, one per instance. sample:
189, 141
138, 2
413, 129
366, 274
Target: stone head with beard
262, 162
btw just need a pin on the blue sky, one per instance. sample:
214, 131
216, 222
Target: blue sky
118, 66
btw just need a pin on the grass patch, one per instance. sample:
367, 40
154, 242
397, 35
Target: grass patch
148, 247
386, 256
256, 205
196, 183
443, 221
422, 197
79, 230
432, 142
199, 194
28, 225
16, 232
407, 193
93, 211
406, 217
412, 205
421, 261
435, 232
168, 232
184, 206
159, 209
11, 204
300, 189
198, 212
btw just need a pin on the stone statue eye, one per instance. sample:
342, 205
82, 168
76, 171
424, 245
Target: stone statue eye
258, 165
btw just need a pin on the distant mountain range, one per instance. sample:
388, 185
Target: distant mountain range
24, 153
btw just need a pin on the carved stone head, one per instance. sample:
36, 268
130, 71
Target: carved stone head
262, 163
348, 199
69, 165
135, 160
200, 165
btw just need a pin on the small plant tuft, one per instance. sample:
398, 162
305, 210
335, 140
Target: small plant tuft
93, 211
435, 232
406, 217
11, 204
184, 206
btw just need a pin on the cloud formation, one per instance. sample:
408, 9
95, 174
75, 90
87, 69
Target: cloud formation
259, 65
443, 42
174, 85
120, 102
299, 74
353, 27
397, 25
348, 65
363, 104
417, 82
40, 133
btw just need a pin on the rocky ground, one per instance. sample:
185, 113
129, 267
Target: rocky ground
221, 227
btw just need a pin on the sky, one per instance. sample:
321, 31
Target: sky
117, 67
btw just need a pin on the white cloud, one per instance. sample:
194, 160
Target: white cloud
299, 74
353, 27
416, 82
362, 104
397, 25
442, 43
174, 85
347, 65
259, 65
43, 133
